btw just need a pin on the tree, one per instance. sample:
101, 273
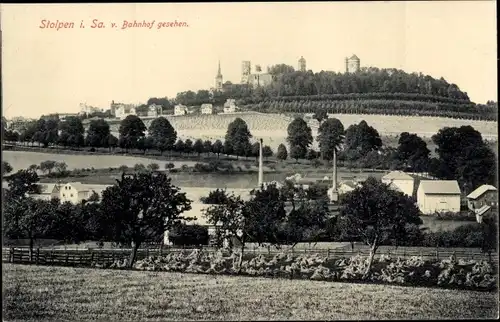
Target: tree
6, 168
376, 213
188, 146
299, 138
111, 142
282, 153
280, 69
145, 143
98, 134
464, 156
198, 147
230, 219
163, 134
61, 166
28, 218
228, 148
215, 197
238, 137
320, 116
47, 166
330, 137
153, 167
362, 138
207, 146
217, 147
72, 132
179, 146
142, 207
139, 167
131, 130
256, 150
23, 182
267, 151
188, 235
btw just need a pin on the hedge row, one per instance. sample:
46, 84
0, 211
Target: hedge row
472, 274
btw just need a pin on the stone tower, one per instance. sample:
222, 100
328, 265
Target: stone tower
302, 64
218, 80
352, 64
245, 71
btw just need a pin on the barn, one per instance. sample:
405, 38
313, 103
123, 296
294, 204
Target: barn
438, 196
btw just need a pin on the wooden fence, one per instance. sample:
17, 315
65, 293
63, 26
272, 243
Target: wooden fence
85, 258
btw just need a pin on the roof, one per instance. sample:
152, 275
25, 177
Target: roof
353, 57
394, 187
480, 191
78, 186
441, 187
48, 187
397, 175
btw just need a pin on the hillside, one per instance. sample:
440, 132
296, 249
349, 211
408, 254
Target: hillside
272, 128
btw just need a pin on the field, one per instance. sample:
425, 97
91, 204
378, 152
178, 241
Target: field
23, 159
57, 293
272, 128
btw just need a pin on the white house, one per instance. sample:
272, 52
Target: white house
400, 181
180, 110
230, 105
123, 111
154, 110
438, 196
64, 116
347, 186
207, 109
76, 192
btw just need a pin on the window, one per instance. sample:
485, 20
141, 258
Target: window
64, 195
71, 195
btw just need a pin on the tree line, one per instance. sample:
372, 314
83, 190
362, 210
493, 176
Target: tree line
463, 155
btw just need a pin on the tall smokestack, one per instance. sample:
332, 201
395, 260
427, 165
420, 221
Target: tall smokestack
261, 170
334, 175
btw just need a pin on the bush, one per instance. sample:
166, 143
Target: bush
414, 271
202, 167
217, 196
169, 166
189, 235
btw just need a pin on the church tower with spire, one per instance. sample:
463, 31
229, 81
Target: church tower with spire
218, 80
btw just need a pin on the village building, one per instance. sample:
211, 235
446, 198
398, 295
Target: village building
48, 191
207, 109
230, 106
180, 110
88, 109
438, 196
154, 110
125, 110
400, 181
482, 200
64, 116
76, 192
485, 195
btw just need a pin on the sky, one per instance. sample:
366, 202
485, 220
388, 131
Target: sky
46, 70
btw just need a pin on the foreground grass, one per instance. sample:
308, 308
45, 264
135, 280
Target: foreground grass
78, 294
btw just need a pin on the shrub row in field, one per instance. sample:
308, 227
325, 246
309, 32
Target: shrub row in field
472, 274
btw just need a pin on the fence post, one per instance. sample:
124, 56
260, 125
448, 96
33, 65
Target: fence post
11, 255
328, 253
37, 255
67, 256
91, 257
437, 253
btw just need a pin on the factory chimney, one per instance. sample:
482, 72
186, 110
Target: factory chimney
261, 170
333, 194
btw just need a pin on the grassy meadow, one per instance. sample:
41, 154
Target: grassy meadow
34, 293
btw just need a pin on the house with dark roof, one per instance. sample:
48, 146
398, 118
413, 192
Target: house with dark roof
438, 196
